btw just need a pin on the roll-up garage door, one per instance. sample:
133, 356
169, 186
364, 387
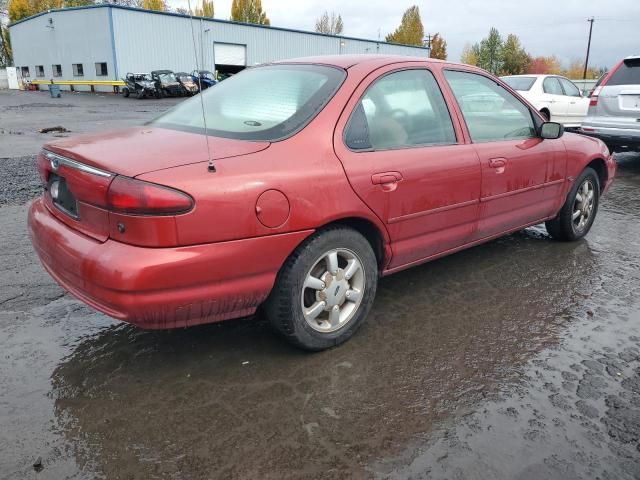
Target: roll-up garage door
230, 54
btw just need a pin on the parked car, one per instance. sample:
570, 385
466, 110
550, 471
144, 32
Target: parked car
204, 78
317, 183
557, 98
614, 108
166, 83
139, 84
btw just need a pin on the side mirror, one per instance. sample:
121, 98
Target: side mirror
551, 130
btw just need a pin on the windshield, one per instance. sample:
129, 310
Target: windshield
261, 103
520, 83
167, 77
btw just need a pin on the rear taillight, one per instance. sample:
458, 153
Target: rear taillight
593, 99
128, 195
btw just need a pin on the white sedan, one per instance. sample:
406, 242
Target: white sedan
556, 97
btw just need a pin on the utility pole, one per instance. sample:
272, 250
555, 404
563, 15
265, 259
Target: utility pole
586, 62
427, 41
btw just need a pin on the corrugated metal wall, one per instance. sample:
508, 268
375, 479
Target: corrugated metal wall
74, 36
147, 41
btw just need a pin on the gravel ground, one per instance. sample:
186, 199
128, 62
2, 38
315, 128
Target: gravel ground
518, 359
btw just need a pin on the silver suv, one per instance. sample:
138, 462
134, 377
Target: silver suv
614, 109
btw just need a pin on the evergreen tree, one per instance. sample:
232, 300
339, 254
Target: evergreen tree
438, 47
249, 11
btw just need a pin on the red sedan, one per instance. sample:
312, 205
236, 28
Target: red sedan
300, 184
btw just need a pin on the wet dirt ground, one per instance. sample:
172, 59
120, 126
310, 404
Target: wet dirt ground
517, 359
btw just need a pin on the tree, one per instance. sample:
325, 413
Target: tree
515, 59
470, 54
19, 9
438, 47
544, 65
157, 5
6, 54
249, 11
206, 10
490, 52
410, 31
330, 24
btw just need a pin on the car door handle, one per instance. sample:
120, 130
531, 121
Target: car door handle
497, 162
387, 180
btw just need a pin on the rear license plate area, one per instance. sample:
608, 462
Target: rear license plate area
630, 102
61, 196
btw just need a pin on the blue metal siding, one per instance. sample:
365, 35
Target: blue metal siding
147, 41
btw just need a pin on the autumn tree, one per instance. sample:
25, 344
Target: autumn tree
438, 47
330, 24
544, 65
470, 54
515, 58
249, 11
6, 55
410, 31
157, 5
206, 10
19, 9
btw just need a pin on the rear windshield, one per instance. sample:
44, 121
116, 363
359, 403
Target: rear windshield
261, 103
520, 83
627, 74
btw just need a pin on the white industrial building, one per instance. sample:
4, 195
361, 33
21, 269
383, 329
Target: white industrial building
104, 42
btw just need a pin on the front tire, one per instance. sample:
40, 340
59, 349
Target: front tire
325, 290
579, 210
125, 92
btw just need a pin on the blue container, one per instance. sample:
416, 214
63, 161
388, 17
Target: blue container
54, 91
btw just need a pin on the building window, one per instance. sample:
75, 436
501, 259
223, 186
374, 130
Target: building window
77, 70
57, 70
101, 69
39, 71
24, 71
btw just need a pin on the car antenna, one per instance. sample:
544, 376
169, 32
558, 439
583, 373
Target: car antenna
211, 167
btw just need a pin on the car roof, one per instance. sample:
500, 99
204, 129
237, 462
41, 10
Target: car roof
348, 61
536, 75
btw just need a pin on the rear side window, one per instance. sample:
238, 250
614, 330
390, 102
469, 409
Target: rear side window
490, 112
400, 110
569, 88
628, 73
552, 86
522, 84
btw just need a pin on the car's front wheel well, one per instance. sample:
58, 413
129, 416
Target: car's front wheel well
368, 230
601, 169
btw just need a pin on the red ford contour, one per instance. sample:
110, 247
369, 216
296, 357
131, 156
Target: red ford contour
295, 185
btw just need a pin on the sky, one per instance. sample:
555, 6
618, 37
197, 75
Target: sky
545, 27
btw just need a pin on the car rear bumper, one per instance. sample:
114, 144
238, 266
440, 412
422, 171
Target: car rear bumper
613, 137
161, 288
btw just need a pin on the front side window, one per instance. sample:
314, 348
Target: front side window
401, 109
57, 70
490, 112
552, 86
78, 70
261, 103
569, 87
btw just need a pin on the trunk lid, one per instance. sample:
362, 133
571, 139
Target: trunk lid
134, 151
78, 171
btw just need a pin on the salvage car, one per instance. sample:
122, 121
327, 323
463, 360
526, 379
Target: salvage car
293, 186
614, 108
167, 84
204, 78
557, 98
189, 87
139, 84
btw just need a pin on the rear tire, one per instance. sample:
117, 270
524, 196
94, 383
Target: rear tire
325, 289
579, 210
